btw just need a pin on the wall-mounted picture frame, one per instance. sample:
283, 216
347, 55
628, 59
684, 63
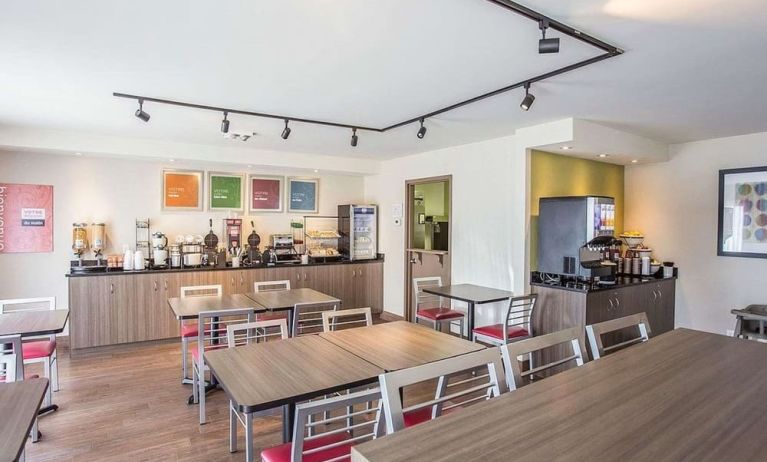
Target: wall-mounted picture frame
26, 218
303, 195
742, 228
226, 191
182, 190
265, 193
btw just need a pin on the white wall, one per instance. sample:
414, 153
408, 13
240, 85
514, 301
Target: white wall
481, 221
117, 191
675, 205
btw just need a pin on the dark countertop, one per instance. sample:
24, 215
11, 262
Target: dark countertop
380, 259
575, 285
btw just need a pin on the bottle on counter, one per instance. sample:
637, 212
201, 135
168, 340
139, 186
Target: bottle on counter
645, 266
138, 260
127, 258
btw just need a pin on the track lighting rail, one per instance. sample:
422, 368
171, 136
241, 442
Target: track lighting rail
543, 21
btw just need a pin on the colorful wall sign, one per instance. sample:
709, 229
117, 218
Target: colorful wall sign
225, 191
26, 218
303, 195
182, 190
265, 193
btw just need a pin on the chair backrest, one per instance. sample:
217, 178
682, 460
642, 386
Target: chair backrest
271, 286
456, 386
11, 360
307, 317
254, 332
421, 298
211, 327
511, 351
519, 313
356, 317
315, 424
201, 291
750, 322
27, 304
596, 331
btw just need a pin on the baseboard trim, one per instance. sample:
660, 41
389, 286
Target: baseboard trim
391, 317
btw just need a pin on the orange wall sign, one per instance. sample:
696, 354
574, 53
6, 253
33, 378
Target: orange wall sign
182, 190
26, 218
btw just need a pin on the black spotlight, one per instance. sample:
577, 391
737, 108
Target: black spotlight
421, 131
140, 111
225, 124
354, 137
529, 99
547, 45
286, 131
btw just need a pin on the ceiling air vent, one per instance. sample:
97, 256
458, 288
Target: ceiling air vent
239, 136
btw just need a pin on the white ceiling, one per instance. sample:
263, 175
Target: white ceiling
693, 69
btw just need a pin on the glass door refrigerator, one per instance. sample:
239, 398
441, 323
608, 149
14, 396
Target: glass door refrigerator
358, 227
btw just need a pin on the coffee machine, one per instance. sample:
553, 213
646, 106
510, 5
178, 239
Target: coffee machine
159, 250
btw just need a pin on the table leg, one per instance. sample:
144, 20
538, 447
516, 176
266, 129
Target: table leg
470, 319
290, 323
47, 409
249, 456
288, 416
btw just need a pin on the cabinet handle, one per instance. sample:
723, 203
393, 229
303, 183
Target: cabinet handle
354, 273
111, 288
618, 303
232, 280
660, 294
360, 273
654, 295
165, 282
298, 276
242, 280
612, 306
304, 276
155, 286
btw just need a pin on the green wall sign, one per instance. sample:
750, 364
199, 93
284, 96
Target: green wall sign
225, 191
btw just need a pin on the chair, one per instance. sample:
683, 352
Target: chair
212, 335
749, 322
12, 370
329, 439
307, 317
516, 323
244, 334
596, 331
39, 349
270, 286
511, 352
189, 329
463, 370
430, 308
357, 317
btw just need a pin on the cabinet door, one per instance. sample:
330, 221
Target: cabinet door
369, 286
92, 319
131, 318
664, 293
170, 287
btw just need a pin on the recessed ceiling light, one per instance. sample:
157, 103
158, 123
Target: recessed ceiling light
602, 156
634, 161
250, 166
566, 148
78, 154
172, 160
315, 170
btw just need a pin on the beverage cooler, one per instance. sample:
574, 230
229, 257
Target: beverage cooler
358, 227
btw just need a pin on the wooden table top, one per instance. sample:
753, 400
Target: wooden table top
19, 402
398, 345
470, 293
31, 323
684, 395
190, 307
284, 299
266, 375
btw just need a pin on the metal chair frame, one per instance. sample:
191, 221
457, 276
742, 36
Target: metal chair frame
308, 316
594, 332
12, 363
756, 313
418, 294
183, 293
514, 316
330, 318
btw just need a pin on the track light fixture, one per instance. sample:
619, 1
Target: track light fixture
529, 99
140, 111
354, 138
421, 131
286, 131
225, 124
547, 45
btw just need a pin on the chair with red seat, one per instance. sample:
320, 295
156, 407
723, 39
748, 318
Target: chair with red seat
38, 349
463, 380
432, 308
516, 323
212, 335
189, 329
318, 438
12, 369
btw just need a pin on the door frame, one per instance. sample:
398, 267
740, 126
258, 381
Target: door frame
410, 186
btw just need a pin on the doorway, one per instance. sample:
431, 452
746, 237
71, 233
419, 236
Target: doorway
428, 218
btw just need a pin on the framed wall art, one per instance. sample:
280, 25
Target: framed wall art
225, 191
265, 193
182, 190
742, 230
303, 195
26, 218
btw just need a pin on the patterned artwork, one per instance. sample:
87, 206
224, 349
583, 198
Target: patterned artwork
751, 199
26, 218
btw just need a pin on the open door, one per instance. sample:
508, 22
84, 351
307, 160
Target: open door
427, 223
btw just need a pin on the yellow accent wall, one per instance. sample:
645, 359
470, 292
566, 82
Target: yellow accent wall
553, 175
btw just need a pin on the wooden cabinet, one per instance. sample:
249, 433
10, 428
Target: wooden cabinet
125, 308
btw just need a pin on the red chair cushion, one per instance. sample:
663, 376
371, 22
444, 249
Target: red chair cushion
190, 329
281, 453
416, 417
38, 349
438, 314
496, 331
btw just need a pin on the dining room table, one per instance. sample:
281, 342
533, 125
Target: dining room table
470, 294
683, 395
33, 324
19, 405
285, 300
188, 308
